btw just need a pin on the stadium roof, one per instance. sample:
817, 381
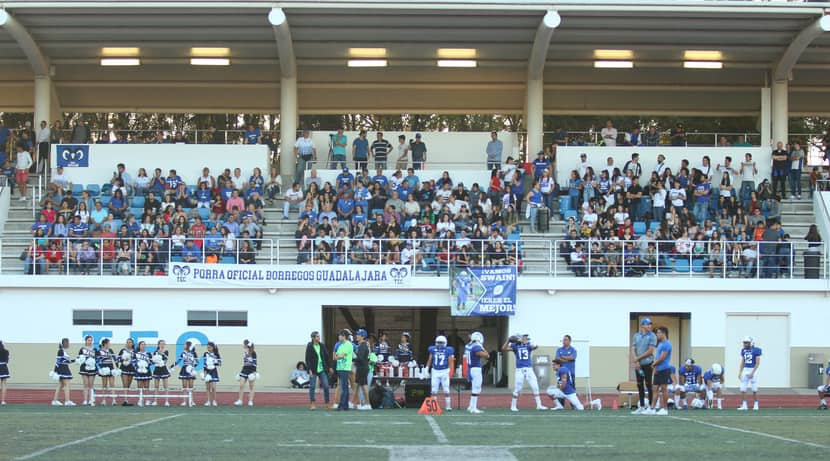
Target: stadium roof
750, 37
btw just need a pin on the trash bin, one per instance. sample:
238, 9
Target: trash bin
541, 366
815, 370
812, 264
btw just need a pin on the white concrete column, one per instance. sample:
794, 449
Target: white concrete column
534, 112
288, 129
780, 112
766, 117
43, 101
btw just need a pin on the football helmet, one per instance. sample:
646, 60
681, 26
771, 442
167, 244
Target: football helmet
477, 337
441, 341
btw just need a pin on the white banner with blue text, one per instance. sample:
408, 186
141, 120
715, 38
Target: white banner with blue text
182, 274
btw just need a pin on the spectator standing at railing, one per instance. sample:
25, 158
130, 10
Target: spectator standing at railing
780, 169
494, 151
634, 138
360, 151
253, 135
796, 162
81, 134
305, 152
652, 137
381, 148
42, 138
609, 134
419, 152
678, 136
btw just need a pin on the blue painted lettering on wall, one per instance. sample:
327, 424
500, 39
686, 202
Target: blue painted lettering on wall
151, 337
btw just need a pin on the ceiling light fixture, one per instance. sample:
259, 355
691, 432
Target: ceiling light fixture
367, 53
367, 63
457, 53
613, 64
457, 63
210, 62
613, 54
702, 64
120, 62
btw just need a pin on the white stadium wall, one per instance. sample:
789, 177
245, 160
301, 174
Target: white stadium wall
279, 322
187, 159
567, 158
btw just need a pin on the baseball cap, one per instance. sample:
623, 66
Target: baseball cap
346, 169
645, 321
361, 332
418, 135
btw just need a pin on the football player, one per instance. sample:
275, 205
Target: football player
748, 372
473, 353
442, 360
463, 286
691, 382
824, 390
713, 385
522, 348
564, 388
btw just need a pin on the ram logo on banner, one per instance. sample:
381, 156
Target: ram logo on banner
483, 291
73, 155
288, 276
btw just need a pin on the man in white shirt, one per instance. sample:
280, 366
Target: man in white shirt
44, 135
60, 181
661, 165
508, 170
609, 134
609, 166
305, 152
293, 198
583, 164
24, 162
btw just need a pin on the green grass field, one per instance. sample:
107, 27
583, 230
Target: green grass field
40, 432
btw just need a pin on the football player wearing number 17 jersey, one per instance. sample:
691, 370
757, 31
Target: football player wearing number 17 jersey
521, 346
442, 360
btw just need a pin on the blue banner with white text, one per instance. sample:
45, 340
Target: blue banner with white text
73, 155
483, 291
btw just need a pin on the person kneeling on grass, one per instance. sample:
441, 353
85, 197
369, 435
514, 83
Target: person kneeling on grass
564, 388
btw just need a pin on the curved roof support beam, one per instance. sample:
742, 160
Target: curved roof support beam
285, 46
39, 63
787, 60
541, 43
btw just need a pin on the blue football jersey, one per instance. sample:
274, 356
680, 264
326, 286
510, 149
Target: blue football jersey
522, 352
462, 283
565, 374
750, 356
470, 351
441, 357
710, 376
690, 376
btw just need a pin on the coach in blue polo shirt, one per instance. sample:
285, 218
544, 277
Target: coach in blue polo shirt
642, 358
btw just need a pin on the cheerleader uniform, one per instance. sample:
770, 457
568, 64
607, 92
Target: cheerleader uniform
87, 353
187, 359
62, 362
142, 373
126, 358
248, 365
214, 372
4, 364
105, 359
161, 371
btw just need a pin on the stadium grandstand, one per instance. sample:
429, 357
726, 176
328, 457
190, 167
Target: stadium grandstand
270, 233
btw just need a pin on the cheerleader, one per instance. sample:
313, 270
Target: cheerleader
212, 360
248, 373
141, 362
161, 373
106, 361
4, 371
89, 370
188, 361
125, 358
63, 374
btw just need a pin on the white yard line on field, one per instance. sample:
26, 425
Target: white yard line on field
93, 437
747, 431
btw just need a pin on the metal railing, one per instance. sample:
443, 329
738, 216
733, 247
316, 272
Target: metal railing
547, 257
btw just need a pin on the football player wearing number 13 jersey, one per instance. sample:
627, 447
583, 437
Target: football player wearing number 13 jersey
442, 360
521, 346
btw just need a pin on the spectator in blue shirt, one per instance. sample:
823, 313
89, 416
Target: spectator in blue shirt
191, 253
345, 179
662, 367
360, 151
253, 135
